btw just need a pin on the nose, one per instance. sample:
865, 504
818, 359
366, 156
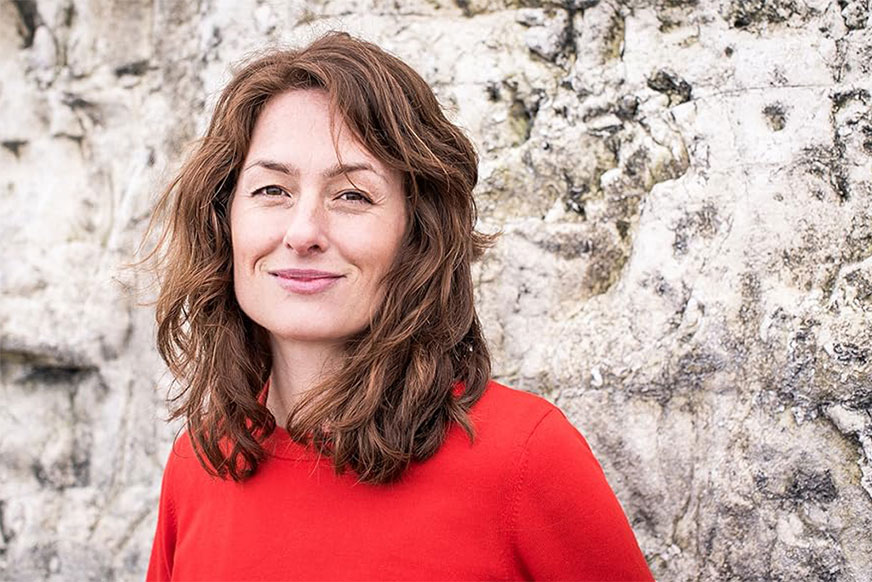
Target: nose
306, 230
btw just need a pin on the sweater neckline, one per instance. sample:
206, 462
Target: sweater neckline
280, 445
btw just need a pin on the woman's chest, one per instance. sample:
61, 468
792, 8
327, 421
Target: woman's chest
299, 521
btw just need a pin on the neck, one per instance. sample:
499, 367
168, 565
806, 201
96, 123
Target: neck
296, 368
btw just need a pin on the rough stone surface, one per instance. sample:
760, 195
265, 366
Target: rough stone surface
685, 193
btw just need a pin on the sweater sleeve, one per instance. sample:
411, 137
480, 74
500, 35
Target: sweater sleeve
567, 522
160, 566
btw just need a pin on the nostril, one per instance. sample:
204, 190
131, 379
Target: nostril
303, 246
306, 227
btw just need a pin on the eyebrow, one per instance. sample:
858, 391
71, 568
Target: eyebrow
331, 172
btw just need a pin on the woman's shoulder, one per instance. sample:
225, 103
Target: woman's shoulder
513, 407
182, 465
506, 416
560, 499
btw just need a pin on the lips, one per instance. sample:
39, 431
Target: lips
303, 274
305, 281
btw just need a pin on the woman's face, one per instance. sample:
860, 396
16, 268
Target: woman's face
309, 246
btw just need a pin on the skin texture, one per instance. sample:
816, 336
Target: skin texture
294, 208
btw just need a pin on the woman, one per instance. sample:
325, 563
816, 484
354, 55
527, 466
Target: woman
317, 271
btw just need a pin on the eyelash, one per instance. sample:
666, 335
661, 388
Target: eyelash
363, 197
262, 191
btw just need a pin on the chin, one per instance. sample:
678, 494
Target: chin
310, 335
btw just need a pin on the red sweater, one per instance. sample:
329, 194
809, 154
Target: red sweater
527, 500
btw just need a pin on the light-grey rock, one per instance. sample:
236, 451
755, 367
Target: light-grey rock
685, 195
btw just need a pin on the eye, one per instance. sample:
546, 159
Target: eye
354, 196
269, 191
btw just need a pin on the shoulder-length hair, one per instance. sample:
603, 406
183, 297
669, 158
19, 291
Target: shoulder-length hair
420, 364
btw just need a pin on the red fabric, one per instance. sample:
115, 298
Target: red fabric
527, 500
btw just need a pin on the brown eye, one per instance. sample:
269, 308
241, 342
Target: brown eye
269, 191
354, 196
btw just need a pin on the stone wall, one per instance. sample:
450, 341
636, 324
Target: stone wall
683, 188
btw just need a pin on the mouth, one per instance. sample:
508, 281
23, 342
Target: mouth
305, 281
303, 274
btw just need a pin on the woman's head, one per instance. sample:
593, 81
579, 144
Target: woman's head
316, 222
402, 307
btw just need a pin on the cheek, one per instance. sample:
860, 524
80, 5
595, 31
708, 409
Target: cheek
377, 248
238, 245
250, 238
240, 268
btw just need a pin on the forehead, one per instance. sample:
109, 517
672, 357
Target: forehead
300, 124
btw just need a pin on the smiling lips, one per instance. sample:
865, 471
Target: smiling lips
305, 281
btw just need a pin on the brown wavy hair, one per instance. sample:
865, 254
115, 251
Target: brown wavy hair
420, 364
